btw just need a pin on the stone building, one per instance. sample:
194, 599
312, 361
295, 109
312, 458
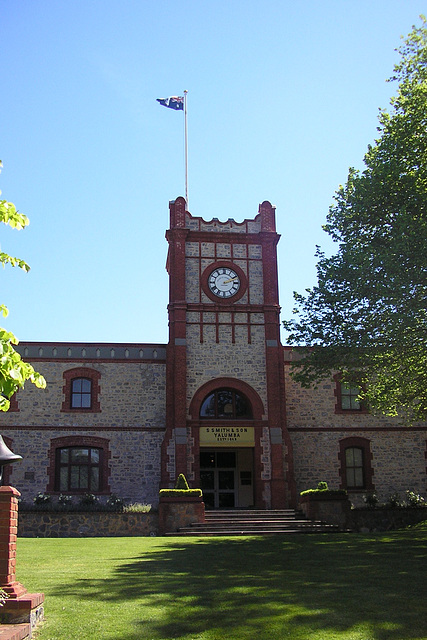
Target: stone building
216, 403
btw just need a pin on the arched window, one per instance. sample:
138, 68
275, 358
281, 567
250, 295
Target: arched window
225, 404
356, 469
81, 390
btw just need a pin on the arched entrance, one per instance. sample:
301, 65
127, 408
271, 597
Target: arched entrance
226, 411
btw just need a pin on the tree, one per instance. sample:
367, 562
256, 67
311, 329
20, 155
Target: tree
367, 314
14, 372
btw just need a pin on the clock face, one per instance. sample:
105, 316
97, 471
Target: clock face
224, 282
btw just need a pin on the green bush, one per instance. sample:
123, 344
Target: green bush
322, 486
88, 500
370, 499
324, 492
42, 499
394, 501
182, 483
414, 499
137, 507
115, 503
174, 493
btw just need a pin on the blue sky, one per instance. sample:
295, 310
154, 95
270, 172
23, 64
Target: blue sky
283, 98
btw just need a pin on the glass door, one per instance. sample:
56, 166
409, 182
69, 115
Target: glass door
218, 479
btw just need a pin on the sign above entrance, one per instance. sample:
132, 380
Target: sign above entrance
227, 436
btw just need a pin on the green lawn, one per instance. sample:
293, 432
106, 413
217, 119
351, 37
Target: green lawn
316, 587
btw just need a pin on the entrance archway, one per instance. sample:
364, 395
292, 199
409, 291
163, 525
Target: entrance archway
225, 412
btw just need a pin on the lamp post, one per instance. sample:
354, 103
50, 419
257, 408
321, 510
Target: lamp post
6, 457
20, 606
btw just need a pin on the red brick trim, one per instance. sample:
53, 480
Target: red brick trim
365, 445
79, 441
230, 383
81, 372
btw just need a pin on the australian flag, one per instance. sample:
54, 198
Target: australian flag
174, 102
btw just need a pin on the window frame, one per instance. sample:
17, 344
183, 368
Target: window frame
364, 445
77, 373
85, 442
339, 396
59, 465
232, 416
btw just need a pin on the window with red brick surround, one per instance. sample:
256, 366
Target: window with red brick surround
81, 390
230, 384
346, 396
356, 469
97, 460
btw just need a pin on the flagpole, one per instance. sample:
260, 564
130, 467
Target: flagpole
186, 147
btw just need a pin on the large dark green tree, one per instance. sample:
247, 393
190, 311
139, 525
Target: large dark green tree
367, 314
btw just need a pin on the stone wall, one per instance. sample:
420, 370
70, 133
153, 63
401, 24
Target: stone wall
86, 525
131, 419
131, 394
398, 451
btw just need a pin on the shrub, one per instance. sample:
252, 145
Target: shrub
115, 503
88, 500
322, 486
414, 499
137, 507
65, 501
188, 493
42, 499
394, 501
182, 483
370, 499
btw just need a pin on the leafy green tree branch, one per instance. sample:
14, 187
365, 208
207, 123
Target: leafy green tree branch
14, 372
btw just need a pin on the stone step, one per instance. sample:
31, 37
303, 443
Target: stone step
235, 522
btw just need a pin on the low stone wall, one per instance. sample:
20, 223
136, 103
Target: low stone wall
333, 509
366, 520
85, 524
177, 512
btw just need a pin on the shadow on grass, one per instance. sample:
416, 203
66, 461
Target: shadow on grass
299, 587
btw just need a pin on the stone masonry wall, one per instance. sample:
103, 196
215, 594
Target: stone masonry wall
131, 394
398, 451
132, 419
134, 465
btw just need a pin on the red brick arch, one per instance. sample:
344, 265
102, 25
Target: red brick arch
226, 383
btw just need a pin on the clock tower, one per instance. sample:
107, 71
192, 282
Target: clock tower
225, 404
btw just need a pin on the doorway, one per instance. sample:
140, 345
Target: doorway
226, 478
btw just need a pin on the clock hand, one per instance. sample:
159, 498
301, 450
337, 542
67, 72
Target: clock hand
230, 280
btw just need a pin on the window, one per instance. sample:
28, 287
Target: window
347, 397
79, 464
354, 468
78, 469
356, 471
81, 390
225, 404
81, 393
